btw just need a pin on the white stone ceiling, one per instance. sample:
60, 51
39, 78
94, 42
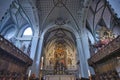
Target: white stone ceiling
115, 4
4, 5
51, 10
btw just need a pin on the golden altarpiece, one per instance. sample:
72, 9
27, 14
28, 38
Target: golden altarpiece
60, 61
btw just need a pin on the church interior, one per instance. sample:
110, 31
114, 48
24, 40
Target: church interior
59, 39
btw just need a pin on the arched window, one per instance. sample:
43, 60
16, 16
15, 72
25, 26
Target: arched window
27, 32
26, 40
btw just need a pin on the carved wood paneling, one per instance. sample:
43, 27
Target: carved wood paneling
105, 51
13, 62
14, 51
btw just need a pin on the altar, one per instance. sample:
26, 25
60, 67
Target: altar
60, 77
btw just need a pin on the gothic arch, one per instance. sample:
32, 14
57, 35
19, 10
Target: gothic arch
59, 41
66, 27
9, 27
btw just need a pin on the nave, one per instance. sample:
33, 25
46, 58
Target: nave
59, 40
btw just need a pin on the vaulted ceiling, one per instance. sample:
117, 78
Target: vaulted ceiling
49, 12
59, 35
115, 4
4, 6
58, 12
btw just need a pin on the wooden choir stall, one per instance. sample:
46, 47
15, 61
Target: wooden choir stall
13, 62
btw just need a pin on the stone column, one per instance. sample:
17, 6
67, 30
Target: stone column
32, 54
33, 47
83, 61
85, 44
36, 63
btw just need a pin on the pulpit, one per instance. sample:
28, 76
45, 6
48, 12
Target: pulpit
60, 77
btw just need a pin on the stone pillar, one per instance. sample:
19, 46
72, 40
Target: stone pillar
34, 47
83, 61
32, 54
84, 39
36, 62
